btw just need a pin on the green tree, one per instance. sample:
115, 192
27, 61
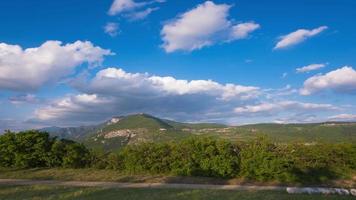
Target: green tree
8, 149
32, 149
77, 156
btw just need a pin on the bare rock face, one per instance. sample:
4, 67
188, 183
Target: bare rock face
129, 133
113, 120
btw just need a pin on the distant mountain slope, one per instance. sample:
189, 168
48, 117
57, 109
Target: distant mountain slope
132, 129
138, 121
326, 131
181, 125
73, 133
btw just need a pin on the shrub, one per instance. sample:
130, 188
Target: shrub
114, 161
30, 149
205, 157
77, 156
98, 159
260, 161
147, 157
7, 149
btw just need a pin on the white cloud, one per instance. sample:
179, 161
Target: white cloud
119, 6
130, 8
114, 80
29, 69
141, 14
111, 29
310, 67
113, 91
241, 31
83, 106
343, 117
116, 92
298, 118
268, 108
297, 37
341, 80
202, 26
288, 90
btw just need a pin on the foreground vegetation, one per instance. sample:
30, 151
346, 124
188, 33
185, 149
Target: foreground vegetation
57, 192
256, 160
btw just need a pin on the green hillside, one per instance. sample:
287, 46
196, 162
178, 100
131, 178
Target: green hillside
138, 121
181, 125
138, 128
327, 132
134, 129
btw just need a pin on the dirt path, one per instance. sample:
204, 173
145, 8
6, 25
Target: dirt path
134, 185
308, 190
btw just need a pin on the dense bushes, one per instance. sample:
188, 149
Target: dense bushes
192, 157
261, 160
258, 159
31, 149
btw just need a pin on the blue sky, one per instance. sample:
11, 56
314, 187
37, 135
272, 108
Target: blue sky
79, 62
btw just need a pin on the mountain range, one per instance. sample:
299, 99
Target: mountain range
132, 129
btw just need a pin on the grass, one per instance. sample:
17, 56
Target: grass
40, 192
90, 174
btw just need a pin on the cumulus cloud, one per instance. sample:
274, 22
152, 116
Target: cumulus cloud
241, 31
28, 69
273, 108
287, 90
342, 80
112, 29
131, 8
297, 37
116, 92
310, 67
202, 26
113, 91
117, 81
82, 107
343, 117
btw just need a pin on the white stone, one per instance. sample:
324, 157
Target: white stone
353, 192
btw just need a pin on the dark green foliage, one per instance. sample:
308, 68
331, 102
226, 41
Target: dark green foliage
148, 157
114, 161
7, 149
192, 157
58, 152
98, 159
258, 159
77, 156
32, 148
205, 157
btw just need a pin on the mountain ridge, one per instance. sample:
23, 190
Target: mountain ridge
131, 129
